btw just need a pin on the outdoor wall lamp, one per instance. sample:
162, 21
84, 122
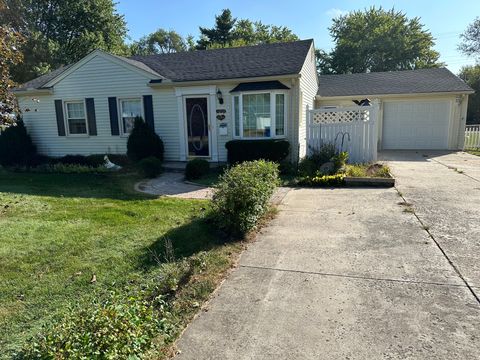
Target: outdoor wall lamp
219, 97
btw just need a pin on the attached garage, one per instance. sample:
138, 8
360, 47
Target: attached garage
416, 124
419, 109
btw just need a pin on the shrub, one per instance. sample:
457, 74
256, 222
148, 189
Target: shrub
340, 160
16, 146
150, 167
243, 194
307, 167
325, 180
322, 155
73, 160
143, 142
196, 168
118, 327
274, 150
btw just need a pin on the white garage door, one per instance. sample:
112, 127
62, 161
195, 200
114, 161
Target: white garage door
416, 125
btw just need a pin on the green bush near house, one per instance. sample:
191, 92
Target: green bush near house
150, 167
274, 150
143, 142
16, 145
196, 168
242, 195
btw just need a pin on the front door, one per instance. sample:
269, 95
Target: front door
196, 111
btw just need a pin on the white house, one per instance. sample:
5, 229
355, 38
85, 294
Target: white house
197, 101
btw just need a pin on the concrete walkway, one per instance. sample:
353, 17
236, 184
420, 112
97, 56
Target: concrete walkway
346, 274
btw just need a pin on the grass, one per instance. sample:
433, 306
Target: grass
60, 230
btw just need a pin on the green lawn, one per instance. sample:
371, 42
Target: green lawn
58, 230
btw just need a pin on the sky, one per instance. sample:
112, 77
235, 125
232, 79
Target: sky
445, 19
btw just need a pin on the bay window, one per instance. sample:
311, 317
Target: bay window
129, 110
259, 115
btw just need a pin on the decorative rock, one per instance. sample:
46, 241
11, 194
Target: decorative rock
327, 168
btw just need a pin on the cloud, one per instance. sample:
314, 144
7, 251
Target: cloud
334, 12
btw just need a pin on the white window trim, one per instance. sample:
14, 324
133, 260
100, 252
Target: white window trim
273, 129
119, 111
65, 117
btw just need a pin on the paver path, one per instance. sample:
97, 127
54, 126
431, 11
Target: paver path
346, 274
173, 184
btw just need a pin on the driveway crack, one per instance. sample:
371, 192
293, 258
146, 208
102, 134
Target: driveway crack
445, 255
456, 169
346, 276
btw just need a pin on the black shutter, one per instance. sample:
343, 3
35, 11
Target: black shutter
112, 108
148, 111
92, 122
60, 119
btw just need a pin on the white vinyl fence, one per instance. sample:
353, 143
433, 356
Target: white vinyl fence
352, 129
472, 137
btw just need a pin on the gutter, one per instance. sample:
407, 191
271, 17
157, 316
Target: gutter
158, 83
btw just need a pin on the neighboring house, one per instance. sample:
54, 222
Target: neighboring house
195, 101
419, 109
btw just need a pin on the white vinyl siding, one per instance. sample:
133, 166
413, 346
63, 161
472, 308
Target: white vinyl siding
308, 91
99, 78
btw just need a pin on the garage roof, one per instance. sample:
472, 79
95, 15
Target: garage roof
437, 80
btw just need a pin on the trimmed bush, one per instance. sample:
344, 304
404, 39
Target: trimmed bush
150, 167
242, 195
16, 146
143, 142
196, 168
274, 150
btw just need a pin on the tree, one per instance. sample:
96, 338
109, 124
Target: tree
10, 41
471, 39
471, 75
230, 32
220, 34
379, 40
159, 42
60, 32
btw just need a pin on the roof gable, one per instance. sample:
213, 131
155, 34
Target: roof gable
48, 80
436, 80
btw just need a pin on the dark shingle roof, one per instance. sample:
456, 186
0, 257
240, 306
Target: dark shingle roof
230, 63
395, 82
40, 81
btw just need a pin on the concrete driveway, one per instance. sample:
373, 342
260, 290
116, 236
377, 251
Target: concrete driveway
353, 274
